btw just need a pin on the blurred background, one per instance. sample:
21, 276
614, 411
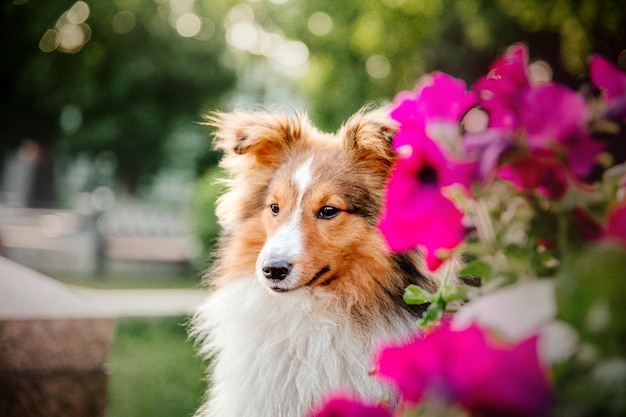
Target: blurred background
107, 179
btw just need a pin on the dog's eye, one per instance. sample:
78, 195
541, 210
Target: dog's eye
274, 209
328, 212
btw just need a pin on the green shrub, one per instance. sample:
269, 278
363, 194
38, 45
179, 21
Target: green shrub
203, 219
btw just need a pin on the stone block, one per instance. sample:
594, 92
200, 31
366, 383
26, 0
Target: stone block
53, 348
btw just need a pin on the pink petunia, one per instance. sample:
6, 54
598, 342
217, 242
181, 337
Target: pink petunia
536, 173
438, 96
527, 120
553, 117
551, 113
342, 406
417, 213
485, 376
612, 82
488, 147
500, 90
437, 105
616, 225
588, 227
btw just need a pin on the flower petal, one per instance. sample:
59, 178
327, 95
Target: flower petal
609, 78
612, 81
534, 173
551, 113
437, 97
342, 406
499, 91
616, 227
470, 368
417, 214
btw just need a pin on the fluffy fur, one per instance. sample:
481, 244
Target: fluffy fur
304, 288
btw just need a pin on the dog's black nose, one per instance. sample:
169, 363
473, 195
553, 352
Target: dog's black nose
277, 270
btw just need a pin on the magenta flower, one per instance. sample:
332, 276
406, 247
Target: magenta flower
551, 113
472, 369
612, 82
535, 173
588, 227
437, 105
500, 90
552, 117
528, 122
417, 212
487, 147
344, 407
616, 225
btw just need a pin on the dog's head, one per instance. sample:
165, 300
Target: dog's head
303, 205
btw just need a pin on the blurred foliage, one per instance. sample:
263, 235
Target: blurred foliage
591, 297
131, 83
135, 79
379, 47
203, 219
366, 51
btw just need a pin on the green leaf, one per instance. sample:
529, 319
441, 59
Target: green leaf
414, 295
477, 269
431, 316
455, 292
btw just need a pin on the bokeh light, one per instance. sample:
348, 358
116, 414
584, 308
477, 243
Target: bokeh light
378, 66
245, 33
188, 25
123, 22
320, 24
540, 71
70, 32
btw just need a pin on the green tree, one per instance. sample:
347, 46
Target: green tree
98, 75
368, 50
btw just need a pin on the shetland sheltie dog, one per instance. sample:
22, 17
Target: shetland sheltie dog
304, 288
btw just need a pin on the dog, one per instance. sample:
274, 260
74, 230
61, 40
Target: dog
304, 288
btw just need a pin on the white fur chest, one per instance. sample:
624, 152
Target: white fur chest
276, 355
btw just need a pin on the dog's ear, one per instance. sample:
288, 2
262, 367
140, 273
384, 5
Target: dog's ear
367, 136
265, 136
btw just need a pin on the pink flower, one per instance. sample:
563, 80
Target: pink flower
526, 121
417, 212
541, 174
437, 105
487, 147
551, 113
588, 227
612, 82
438, 96
616, 225
483, 375
591, 230
552, 117
556, 147
344, 407
500, 90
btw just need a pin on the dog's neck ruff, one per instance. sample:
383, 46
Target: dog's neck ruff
277, 355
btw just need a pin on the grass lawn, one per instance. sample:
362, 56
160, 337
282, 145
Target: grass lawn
132, 281
153, 370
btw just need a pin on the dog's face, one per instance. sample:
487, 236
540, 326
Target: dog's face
313, 199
